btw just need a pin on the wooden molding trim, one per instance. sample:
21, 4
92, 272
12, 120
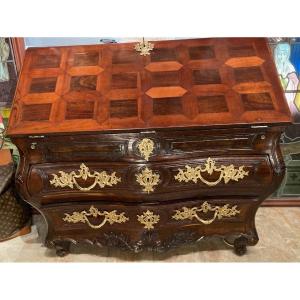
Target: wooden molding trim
283, 202
18, 45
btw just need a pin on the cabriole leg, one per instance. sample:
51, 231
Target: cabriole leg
240, 245
62, 248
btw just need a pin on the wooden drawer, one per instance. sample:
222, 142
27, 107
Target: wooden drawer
180, 179
129, 224
146, 146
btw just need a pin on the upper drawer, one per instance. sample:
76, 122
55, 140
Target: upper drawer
147, 146
181, 179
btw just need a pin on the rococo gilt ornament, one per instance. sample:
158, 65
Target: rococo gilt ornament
147, 179
101, 179
219, 212
146, 147
227, 173
148, 219
144, 47
109, 216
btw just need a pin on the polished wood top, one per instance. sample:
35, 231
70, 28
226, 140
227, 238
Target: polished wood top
219, 81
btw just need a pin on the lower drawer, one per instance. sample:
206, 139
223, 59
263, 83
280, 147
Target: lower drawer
157, 227
219, 216
180, 179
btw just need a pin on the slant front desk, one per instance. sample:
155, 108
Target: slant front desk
152, 145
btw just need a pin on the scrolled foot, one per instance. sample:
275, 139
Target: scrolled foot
240, 245
61, 252
62, 248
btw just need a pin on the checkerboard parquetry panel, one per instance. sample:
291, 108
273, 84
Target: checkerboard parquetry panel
182, 83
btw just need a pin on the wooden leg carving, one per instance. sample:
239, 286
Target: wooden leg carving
252, 237
240, 245
62, 247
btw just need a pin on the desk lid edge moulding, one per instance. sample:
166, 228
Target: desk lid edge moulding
182, 83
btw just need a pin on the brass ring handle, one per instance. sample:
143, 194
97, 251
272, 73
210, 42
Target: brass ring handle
86, 220
82, 217
206, 222
219, 212
70, 179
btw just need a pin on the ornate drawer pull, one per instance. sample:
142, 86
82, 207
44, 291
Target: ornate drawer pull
144, 47
148, 219
219, 212
146, 147
147, 179
69, 179
109, 216
226, 172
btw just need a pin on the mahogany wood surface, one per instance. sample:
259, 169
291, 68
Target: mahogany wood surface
91, 106
181, 83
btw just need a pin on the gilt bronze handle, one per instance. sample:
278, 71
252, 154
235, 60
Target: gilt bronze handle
227, 173
219, 212
82, 217
101, 179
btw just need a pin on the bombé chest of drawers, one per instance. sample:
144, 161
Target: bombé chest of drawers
152, 145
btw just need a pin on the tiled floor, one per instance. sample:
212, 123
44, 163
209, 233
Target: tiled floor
278, 228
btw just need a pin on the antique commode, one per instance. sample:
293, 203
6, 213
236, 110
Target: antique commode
149, 145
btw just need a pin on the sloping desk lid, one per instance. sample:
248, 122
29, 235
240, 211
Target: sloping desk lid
181, 83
